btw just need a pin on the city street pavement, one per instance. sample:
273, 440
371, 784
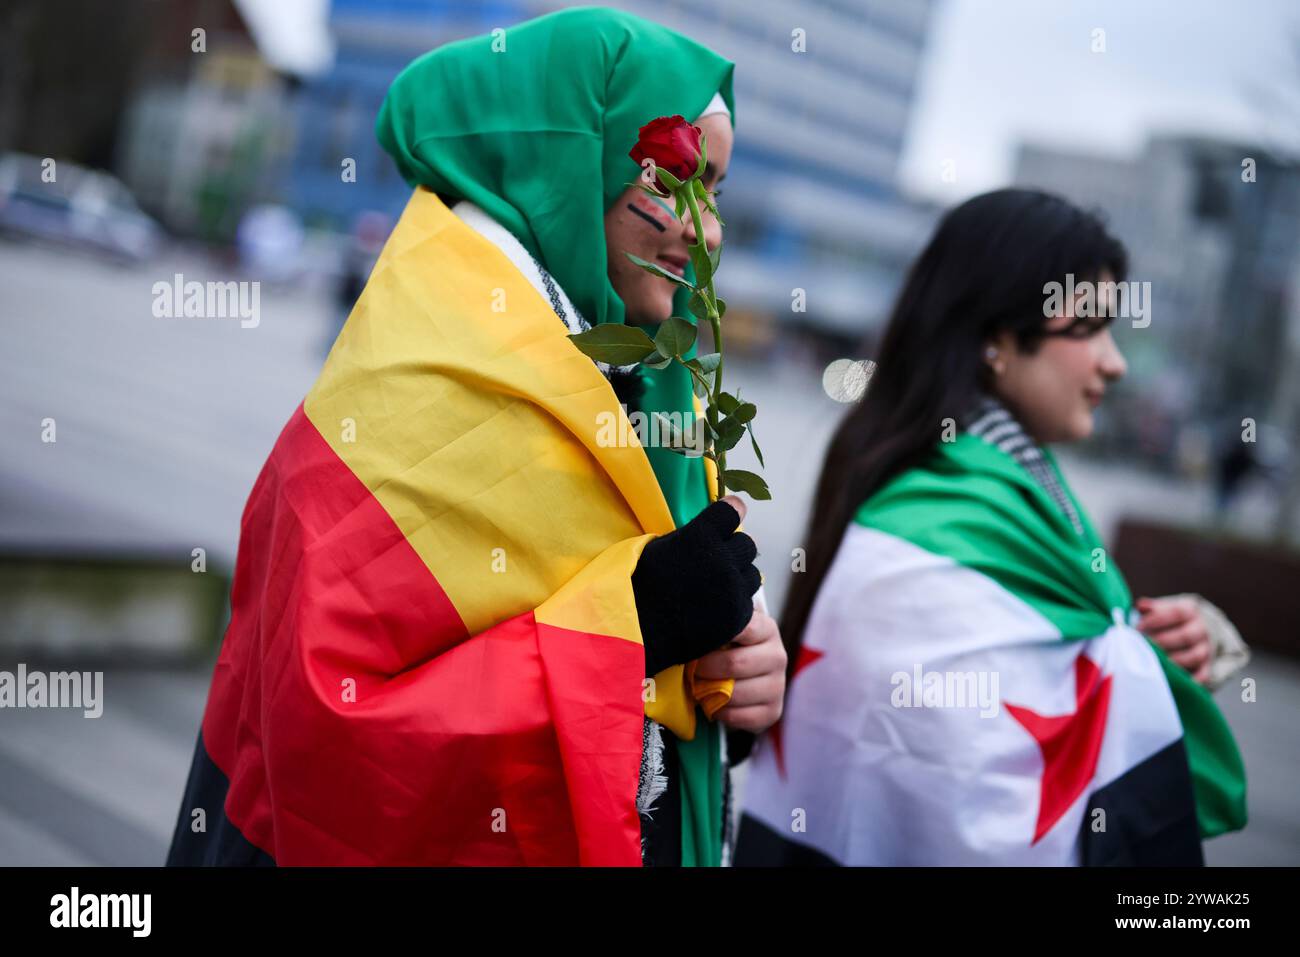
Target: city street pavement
162, 425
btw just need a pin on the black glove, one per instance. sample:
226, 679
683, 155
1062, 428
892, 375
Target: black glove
739, 745
695, 588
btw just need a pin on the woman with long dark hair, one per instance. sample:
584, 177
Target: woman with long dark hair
970, 682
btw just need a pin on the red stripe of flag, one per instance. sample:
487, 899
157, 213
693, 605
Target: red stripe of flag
445, 738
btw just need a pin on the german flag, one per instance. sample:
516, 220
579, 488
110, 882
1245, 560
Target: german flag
433, 656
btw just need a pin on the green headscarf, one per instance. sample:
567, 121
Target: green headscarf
534, 124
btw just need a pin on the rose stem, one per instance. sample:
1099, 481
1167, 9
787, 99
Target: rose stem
710, 303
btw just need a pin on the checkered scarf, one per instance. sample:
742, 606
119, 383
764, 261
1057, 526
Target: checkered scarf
991, 421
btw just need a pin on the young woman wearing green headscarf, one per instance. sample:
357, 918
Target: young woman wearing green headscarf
526, 134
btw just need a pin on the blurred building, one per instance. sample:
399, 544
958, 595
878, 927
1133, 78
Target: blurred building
208, 132
189, 101
1214, 226
336, 112
824, 91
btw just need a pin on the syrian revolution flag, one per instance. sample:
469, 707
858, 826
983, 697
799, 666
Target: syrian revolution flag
970, 691
434, 655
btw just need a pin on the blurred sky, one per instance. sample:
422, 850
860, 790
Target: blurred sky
1001, 71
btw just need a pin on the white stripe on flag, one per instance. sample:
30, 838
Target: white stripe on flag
875, 783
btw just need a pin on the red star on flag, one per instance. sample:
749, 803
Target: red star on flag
806, 657
1071, 743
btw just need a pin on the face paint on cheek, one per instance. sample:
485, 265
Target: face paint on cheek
654, 211
647, 217
668, 210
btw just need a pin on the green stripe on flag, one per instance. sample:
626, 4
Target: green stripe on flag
979, 507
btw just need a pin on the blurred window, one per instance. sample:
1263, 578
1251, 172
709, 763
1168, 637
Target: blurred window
1211, 201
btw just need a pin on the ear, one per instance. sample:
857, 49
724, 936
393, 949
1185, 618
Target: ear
998, 350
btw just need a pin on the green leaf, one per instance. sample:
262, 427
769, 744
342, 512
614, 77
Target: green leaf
668, 179
703, 265
713, 208
704, 155
747, 482
730, 432
708, 362
715, 256
659, 270
699, 308
744, 412
722, 308
676, 440
727, 403
675, 337
698, 373
701, 389
758, 453
701, 193
658, 361
615, 343
679, 200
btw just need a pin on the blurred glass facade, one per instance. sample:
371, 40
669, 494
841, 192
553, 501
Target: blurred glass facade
1214, 226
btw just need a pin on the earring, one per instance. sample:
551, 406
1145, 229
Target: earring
991, 354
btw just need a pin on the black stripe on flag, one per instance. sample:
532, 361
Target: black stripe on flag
221, 844
1150, 816
757, 845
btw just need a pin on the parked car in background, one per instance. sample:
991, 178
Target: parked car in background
70, 204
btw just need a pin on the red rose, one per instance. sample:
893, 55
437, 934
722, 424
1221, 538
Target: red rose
672, 143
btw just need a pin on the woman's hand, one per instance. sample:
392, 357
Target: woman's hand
680, 623
1176, 625
755, 658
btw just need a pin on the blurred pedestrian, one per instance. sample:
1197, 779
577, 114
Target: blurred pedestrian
1235, 463
360, 252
